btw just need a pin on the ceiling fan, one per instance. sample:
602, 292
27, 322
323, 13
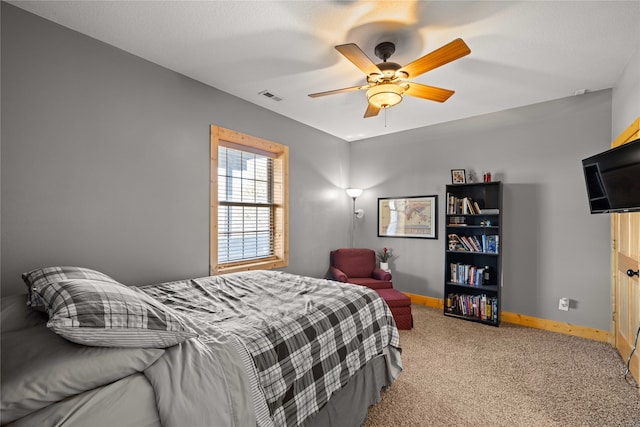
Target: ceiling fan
387, 81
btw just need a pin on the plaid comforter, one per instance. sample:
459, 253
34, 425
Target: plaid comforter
303, 337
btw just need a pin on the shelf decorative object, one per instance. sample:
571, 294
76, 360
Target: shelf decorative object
473, 260
458, 176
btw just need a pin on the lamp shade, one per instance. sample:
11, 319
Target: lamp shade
354, 192
385, 95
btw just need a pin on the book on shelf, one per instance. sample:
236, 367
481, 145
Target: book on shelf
493, 243
468, 243
481, 307
476, 207
464, 205
476, 242
467, 206
486, 243
453, 204
467, 274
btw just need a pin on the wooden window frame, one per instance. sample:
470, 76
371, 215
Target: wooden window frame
280, 188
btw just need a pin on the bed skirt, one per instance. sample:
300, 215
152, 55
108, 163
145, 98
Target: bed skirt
349, 406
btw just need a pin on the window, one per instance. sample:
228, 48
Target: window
249, 202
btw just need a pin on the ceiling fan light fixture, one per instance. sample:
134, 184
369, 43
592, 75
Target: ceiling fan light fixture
385, 95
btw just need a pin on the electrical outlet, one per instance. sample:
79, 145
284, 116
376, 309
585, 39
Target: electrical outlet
563, 304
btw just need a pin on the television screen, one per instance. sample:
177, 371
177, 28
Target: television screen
613, 179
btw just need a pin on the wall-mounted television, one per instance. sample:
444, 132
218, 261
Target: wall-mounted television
613, 179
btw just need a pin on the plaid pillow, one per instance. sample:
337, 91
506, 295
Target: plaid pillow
109, 314
42, 276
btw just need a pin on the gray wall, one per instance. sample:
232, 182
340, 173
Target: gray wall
626, 96
552, 246
105, 162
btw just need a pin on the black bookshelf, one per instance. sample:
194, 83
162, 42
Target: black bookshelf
473, 248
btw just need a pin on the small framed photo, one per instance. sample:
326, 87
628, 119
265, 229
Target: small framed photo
458, 176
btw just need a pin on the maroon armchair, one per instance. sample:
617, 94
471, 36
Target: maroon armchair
358, 265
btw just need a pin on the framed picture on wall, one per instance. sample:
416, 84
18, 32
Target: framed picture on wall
458, 176
415, 216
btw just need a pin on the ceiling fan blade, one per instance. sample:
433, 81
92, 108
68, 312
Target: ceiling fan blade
372, 110
447, 53
332, 92
428, 92
353, 53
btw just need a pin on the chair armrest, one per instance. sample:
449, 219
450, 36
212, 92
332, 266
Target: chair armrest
381, 275
338, 274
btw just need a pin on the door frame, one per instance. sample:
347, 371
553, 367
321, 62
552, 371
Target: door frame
631, 133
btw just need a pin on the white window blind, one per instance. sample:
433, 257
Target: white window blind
245, 205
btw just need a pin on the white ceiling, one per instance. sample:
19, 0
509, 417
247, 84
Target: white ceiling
521, 52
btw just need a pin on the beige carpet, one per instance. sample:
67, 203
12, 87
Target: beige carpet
459, 373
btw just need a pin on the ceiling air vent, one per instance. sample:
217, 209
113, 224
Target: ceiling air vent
271, 96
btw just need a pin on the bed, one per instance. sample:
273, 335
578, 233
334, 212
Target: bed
256, 348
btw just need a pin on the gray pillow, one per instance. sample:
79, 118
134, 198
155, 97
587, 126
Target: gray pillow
15, 314
34, 279
39, 368
98, 313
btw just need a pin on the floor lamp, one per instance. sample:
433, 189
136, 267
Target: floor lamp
354, 193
